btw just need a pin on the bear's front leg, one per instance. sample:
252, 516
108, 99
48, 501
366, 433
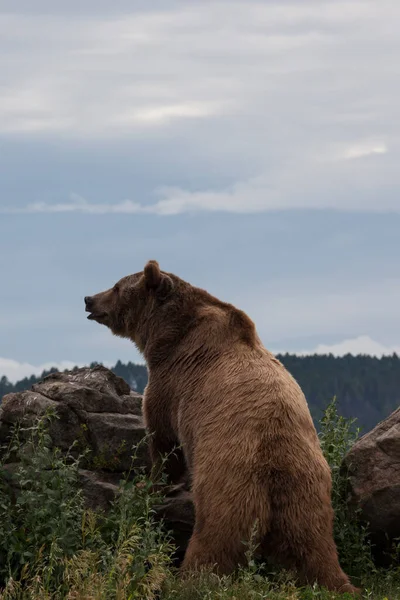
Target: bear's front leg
166, 455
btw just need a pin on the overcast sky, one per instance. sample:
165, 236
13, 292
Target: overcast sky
250, 147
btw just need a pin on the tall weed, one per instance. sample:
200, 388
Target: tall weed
337, 435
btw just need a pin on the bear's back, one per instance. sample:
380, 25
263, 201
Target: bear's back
223, 373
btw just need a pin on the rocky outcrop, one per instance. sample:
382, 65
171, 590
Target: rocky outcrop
92, 406
373, 466
96, 411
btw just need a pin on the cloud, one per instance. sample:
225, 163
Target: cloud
289, 104
297, 186
305, 183
156, 115
365, 149
15, 371
138, 65
330, 306
271, 67
362, 344
78, 205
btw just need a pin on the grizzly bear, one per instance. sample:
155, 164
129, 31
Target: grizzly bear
242, 421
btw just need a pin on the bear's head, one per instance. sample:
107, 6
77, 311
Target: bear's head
132, 307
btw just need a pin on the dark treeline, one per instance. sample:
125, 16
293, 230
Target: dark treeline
366, 388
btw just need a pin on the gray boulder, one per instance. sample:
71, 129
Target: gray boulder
373, 466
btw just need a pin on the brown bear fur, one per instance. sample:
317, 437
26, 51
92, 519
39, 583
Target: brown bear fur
241, 419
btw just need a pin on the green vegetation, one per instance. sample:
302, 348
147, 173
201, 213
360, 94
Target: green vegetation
368, 387
51, 547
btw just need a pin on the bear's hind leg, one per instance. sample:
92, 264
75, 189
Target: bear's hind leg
306, 539
209, 552
225, 520
321, 565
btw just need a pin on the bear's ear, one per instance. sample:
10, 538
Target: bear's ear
152, 274
155, 280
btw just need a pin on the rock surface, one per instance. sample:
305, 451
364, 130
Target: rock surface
93, 406
98, 409
373, 465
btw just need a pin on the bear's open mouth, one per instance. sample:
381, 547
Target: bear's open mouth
96, 316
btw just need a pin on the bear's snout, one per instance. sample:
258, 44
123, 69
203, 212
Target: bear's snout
89, 302
95, 309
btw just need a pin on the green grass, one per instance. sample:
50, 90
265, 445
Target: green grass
51, 547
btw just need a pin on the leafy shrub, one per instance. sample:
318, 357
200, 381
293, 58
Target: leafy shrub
337, 435
51, 546
41, 505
